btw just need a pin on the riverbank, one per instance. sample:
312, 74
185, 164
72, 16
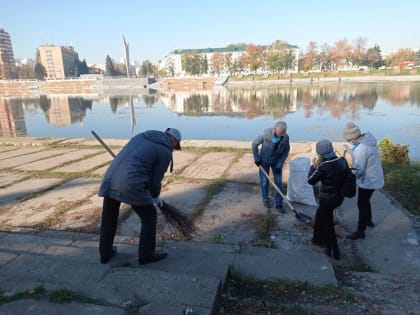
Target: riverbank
326, 80
50, 214
111, 86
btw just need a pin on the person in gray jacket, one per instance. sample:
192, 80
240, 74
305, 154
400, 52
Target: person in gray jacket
368, 170
274, 150
134, 177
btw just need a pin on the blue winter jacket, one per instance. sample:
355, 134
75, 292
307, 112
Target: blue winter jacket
268, 155
134, 176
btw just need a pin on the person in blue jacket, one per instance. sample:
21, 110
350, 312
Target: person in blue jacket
134, 177
275, 148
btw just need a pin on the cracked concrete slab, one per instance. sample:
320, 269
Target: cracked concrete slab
9, 177
17, 151
37, 210
86, 164
244, 170
229, 218
41, 165
210, 166
26, 188
29, 158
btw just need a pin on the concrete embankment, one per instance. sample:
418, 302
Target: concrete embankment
50, 215
326, 80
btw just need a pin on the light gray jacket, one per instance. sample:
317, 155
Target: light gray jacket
367, 163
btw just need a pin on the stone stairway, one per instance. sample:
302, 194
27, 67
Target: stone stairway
191, 277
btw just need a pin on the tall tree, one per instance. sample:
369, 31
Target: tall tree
25, 72
341, 53
109, 67
146, 69
253, 57
227, 61
83, 67
373, 57
193, 63
39, 69
325, 58
311, 56
359, 51
217, 62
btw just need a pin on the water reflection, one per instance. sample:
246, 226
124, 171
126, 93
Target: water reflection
245, 102
337, 100
314, 111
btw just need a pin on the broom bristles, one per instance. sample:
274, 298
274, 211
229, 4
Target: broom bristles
179, 220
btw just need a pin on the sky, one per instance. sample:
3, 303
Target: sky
154, 28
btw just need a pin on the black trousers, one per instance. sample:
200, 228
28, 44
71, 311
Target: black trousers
365, 209
109, 222
324, 231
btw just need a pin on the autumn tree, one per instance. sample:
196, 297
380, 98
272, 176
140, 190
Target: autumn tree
253, 57
325, 58
311, 57
359, 51
227, 61
341, 53
401, 56
217, 62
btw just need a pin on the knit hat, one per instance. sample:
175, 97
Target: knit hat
351, 132
324, 146
176, 134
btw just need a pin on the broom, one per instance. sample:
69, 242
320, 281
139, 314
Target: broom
179, 220
175, 217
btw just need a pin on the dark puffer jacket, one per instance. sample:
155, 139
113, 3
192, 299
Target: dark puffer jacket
331, 174
134, 176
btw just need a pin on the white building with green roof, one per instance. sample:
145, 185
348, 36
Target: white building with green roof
225, 60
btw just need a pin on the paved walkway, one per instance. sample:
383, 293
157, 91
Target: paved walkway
50, 214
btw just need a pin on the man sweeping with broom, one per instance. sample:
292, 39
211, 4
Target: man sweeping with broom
134, 177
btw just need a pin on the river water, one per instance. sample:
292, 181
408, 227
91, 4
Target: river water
312, 112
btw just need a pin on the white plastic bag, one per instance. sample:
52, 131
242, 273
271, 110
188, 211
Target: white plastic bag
298, 188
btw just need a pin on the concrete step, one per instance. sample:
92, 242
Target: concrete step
181, 281
192, 276
303, 264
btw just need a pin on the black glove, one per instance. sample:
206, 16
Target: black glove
258, 163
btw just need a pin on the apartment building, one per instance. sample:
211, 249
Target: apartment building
7, 60
59, 61
172, 63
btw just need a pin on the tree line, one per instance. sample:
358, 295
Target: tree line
344, 54
278, 57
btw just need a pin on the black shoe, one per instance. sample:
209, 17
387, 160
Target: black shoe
327, 252
155, 257
267, 204
370, 224
280, 209
356, 235
104, 260
317, 243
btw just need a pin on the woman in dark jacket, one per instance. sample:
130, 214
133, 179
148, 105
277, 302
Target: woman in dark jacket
330, 171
